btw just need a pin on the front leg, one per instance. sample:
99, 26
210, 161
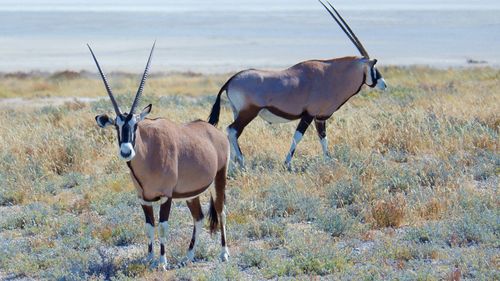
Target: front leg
150, 228
163, 228
299, 133
321, 129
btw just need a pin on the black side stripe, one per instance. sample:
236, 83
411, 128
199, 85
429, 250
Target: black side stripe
135, 177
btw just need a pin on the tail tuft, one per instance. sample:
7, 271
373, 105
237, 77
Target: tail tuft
215, 112
212, 216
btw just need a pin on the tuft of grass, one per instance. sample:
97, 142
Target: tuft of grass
344, 192
390, 212
337, 222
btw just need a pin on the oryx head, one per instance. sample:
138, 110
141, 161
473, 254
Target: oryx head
373, 78
125, 123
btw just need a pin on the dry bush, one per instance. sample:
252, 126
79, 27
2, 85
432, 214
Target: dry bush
43, 86
74, 105
433, 209
65, 75
390, 212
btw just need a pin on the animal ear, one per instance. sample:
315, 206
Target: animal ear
103, 120
145, 111
373, 62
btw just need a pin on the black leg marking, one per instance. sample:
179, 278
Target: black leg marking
304, 123
150, 219
165, 210
299, 133
320, 128
194, 206
243, 118
162, 249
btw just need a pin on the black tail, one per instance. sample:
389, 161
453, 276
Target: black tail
212, 216
214, 114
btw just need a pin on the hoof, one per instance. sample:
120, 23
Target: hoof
288, 166
187, 260
224, 255
163, 264
183, 263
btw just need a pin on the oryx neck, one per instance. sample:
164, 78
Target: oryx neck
139, 145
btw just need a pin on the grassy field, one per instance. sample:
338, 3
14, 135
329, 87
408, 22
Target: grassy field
410, 193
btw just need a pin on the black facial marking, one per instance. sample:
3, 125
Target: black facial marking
373, 74
127, 133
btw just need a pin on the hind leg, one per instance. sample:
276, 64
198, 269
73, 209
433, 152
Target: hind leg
236, 128
220, 199
299, 133
196, 211
163, 228
321, 129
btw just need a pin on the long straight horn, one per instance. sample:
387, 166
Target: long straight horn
108, 89
143, 80
355, 42
363, 50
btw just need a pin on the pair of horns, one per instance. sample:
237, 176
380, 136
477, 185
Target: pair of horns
139, 91
347, 30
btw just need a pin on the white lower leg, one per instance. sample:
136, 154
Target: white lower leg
233, 141
150, 232
296, 139
162, 233
224, 255
324, 146
198, 226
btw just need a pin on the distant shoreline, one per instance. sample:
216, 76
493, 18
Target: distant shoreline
82, 73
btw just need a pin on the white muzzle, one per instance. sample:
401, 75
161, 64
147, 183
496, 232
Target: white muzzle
127, 151
381, 84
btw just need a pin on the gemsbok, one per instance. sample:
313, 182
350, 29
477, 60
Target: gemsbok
310, 90
170, 161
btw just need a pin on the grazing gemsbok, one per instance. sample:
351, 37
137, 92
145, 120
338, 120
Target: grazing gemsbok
169, 161
310, 90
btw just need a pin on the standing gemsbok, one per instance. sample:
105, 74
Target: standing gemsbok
169, 161
310, 90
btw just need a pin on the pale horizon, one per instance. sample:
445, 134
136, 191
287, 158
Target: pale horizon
219, 36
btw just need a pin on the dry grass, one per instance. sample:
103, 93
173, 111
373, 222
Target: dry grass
84, 84
411, 191
391, 212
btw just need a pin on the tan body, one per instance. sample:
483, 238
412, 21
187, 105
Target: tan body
169, 161
177, 161
316, 87
310, 91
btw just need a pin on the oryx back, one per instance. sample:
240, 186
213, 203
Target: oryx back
177, 160
316, 87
